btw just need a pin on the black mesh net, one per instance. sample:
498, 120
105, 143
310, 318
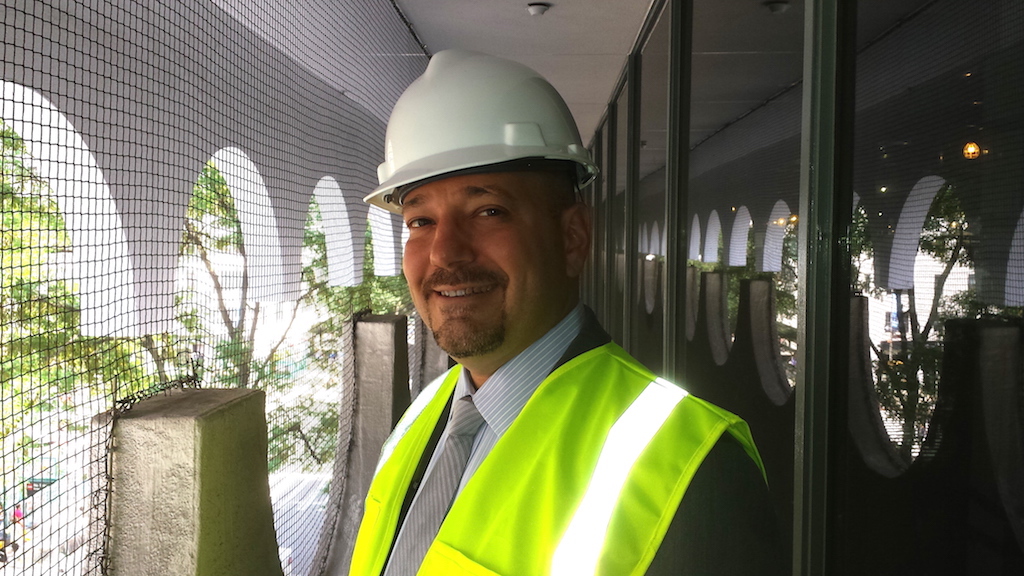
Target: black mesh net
181, 186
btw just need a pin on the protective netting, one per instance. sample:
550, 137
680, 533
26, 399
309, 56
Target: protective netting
181, 188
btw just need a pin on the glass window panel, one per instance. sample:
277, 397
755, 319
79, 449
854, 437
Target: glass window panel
936, 240
648, 310
598, 203
605, 223
743, 194
744, 191
618, 226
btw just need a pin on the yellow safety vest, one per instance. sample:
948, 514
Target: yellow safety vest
586, 480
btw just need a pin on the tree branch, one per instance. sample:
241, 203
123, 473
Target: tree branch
940, 284
309, 446
218, 288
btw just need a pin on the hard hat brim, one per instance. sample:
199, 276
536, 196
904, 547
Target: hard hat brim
453, 162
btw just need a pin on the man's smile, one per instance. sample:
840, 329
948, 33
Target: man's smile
469, 291
462, 283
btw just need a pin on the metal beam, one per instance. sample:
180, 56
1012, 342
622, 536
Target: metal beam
677, 194
825, 211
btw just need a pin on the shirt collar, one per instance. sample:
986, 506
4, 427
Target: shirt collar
512, 385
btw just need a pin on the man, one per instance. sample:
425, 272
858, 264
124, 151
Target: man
547, 450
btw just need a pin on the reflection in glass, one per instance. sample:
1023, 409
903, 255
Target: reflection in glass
931, 281
936, 175
741, 251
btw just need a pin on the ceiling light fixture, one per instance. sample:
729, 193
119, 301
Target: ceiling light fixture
538, 8
777, 6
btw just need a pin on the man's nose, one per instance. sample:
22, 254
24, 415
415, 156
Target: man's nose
452, 245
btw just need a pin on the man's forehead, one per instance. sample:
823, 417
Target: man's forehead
505, 185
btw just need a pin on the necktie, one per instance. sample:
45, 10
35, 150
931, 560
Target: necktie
437, 492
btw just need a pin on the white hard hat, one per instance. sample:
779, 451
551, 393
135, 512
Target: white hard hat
470, 110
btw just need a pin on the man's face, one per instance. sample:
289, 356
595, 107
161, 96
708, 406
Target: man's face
492, 263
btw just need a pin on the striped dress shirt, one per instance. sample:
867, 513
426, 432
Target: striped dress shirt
510, 387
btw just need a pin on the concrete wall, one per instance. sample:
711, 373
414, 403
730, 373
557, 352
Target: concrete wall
190, 494
382, 396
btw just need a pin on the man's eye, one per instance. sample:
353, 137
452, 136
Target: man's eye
417, 222
492, 212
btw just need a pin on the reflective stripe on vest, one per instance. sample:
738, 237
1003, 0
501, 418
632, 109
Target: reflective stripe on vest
578, 551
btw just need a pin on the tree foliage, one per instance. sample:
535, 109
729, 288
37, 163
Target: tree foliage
908, 367
216, 310
304, 431
52, 376
225, 326
48, 368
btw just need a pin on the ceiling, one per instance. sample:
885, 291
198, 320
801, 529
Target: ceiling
744, 51
580, 46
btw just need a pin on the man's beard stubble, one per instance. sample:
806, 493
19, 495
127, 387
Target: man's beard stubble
456, 334
462, 341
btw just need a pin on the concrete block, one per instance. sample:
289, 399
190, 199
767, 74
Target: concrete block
382, 396
190, 494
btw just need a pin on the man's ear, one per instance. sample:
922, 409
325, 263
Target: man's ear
576, 235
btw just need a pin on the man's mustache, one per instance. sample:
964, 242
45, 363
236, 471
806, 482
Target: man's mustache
463, 275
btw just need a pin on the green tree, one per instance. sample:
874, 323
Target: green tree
212, 240
908, 367
908, 373
304, 430
297, 367
376, 294
49, 369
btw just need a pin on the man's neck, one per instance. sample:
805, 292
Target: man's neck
481, 368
